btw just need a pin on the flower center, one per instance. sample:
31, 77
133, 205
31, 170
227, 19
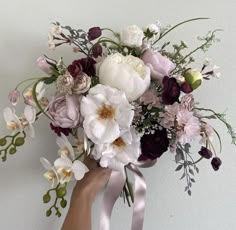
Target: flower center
119, 143
67, 173
106, 112
12, 125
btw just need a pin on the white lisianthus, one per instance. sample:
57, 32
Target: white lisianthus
153, 28
126, 73
124, 150
132, 36
107, 113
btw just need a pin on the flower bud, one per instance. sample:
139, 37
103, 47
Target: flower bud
12, 150
49, 212
46, 198
14, 96
19, 141
61, 192
193, 78
3, 141
94, 33
206, 153
216, 163
63, 203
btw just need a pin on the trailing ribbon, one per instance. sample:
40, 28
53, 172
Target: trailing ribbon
113, 190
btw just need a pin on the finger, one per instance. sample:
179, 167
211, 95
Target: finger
90, 163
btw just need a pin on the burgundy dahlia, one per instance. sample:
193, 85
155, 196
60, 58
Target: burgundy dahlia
59, 130
86, 65
216, 163
94, 33
171, 90
206, 153
154, 145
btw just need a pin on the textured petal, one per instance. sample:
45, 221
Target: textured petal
31, 130
63, 162
8, 114
46, 164
61, 142
79, 169
30, 113
72, 102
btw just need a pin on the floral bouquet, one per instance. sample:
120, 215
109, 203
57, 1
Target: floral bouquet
125, 101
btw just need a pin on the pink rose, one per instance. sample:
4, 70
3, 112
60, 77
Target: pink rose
65, 111
43, 64
159, 65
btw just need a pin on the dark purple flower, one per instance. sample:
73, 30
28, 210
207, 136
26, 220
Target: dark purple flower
86, 65
186, 88
59, 130
216, 163
171, 90
94, 32
154, 145
75, 69
206, 153
97, 50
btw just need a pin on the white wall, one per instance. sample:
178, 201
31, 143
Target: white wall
24, 26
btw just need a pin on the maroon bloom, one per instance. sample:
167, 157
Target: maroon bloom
154, 145
171, 90
59, 130
186, 88
94, 32
206, 153
86, 65
216, 163
97, 50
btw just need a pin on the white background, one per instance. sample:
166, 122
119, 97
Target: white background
24, 26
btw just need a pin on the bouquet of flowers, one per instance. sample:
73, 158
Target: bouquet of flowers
125, 101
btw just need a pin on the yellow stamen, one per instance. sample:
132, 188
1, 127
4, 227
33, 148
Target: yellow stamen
106, 112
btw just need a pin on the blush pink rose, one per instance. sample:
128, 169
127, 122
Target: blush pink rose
159, 65
65, 111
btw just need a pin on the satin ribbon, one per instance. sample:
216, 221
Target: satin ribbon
113, 190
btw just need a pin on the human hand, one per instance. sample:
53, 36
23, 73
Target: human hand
92, 183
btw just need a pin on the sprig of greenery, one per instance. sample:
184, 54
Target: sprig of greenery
221, 117
10, 144
60, 193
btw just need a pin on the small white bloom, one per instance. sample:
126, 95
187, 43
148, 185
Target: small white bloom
207, 62
122, 151
132, 36
66, 169
56, 29
12, 120
28, 119
153, 28
65, 146
106, 113
126, 73
216, 72
50, 174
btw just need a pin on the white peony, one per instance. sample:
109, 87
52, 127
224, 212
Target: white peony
107, 113
132, 36
126, 73
124, 150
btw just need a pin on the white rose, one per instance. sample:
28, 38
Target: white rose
126, 73
132, 36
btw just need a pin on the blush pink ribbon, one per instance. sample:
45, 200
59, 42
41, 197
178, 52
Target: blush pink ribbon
113, 190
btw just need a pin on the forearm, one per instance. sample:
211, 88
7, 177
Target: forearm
78, 216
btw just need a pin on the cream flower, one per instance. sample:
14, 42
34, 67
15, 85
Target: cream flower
107, 114
66, 169
122, 151
65, 146
50, 174
126, 73
12, 120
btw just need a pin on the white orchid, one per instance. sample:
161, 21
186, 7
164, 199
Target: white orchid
65, 146
124, 150
12, 120
66, 169
28, 119
82, 141
50, 174
15, 123
107, 113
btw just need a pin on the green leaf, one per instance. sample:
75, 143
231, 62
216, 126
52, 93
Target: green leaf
179, 167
